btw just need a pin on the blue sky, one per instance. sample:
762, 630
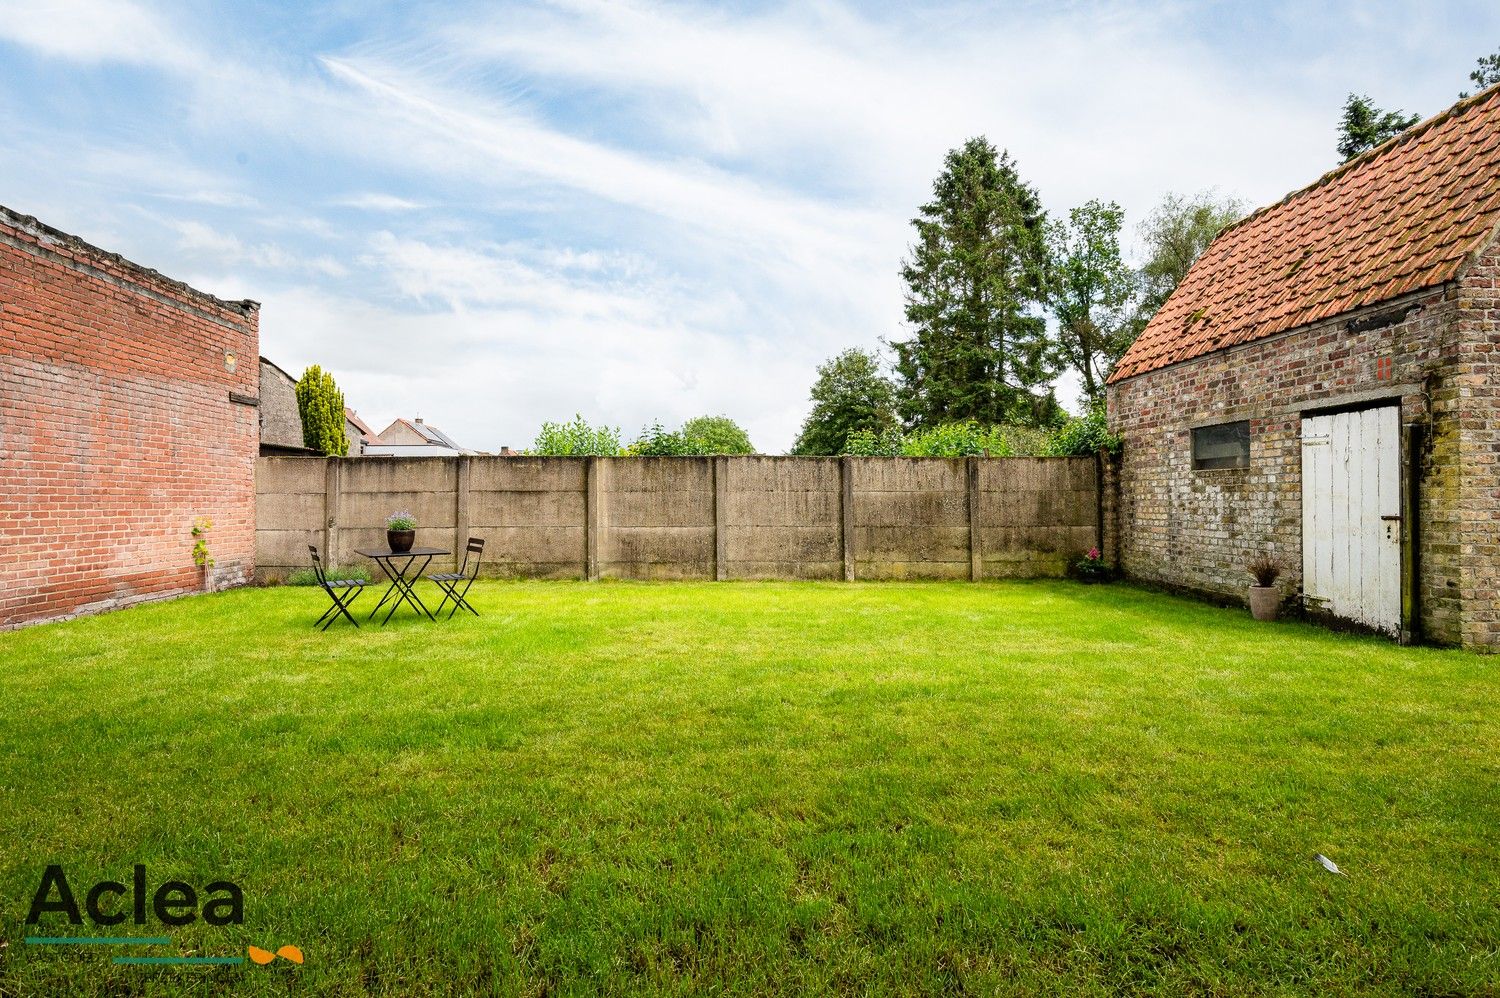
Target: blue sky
496, 214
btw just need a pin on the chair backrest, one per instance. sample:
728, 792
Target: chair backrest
317, 566
476, 549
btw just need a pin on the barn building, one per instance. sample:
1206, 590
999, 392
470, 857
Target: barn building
1324, 387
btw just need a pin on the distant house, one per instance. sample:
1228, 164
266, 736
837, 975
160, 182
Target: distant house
280, 418
414, 438
359, 433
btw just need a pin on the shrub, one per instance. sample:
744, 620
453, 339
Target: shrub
576, 439
1083, 435
716, 435
868, 443
658, 441
307, 577
961, 439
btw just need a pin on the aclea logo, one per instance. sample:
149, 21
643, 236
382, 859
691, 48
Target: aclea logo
173, 903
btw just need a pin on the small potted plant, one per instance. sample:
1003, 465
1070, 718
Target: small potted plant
1091, 568
1265, 598
400, 532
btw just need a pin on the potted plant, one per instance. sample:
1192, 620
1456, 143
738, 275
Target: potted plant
1265, 598
400, 532
1092, 568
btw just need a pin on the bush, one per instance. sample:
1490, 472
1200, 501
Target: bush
1083, 435
307, 577
702, 436
576, 439
657, 441
868, 443
964, 439
716, 435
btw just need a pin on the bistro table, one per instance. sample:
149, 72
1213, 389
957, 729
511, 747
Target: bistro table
403, 579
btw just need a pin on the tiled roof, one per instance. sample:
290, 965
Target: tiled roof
360, 425
1400, 218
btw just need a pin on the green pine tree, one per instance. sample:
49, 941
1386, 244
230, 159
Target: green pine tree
321, 405
976, 285
1365, 126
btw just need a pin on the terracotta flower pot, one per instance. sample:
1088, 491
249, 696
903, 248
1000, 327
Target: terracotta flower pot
400, 540
1265, 602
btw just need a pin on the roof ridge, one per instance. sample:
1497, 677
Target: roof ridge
1462, 105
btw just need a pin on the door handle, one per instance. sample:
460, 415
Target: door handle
1390, 517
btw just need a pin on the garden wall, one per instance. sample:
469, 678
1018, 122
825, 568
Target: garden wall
127, 413
695, 517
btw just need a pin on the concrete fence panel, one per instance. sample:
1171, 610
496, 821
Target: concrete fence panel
694, 518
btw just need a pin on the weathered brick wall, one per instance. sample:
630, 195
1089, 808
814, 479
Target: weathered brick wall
693, 518
116, 428
280, 416
1197, 529
1478, 404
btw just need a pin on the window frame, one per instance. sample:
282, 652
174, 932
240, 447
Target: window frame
1240, 462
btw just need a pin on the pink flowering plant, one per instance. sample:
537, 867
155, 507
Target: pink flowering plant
1092, 567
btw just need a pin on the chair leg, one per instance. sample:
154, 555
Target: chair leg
341, 604
460, 601
447, 589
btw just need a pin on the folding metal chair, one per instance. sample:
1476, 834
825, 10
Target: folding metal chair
343, 592
455, 585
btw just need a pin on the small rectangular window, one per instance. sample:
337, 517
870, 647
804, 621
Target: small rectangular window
1226, 445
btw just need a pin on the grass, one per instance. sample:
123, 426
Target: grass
1028, 788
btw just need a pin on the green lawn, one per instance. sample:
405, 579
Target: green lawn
758, 788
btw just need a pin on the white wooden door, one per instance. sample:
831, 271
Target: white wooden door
1351, 515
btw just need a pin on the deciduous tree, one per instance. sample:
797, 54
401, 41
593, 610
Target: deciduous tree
851, 394
1092, 292
1172, 238
716, 435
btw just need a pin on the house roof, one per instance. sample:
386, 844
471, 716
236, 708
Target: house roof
360, 425
1400, 218
429, 433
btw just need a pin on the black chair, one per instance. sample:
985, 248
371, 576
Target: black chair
455, 585
343, 592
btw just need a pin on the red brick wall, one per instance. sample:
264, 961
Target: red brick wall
116, 428
1197, 529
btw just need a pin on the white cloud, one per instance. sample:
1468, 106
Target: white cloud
96, 31
371, 201
643, 210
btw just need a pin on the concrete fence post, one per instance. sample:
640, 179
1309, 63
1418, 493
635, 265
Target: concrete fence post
591, 519
332, 483
846, 504
976, 555
721, 512
460, 509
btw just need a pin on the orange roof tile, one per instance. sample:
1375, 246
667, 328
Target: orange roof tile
1399, 218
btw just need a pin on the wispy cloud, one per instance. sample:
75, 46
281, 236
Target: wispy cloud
637, 209
97, 31
377, 202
